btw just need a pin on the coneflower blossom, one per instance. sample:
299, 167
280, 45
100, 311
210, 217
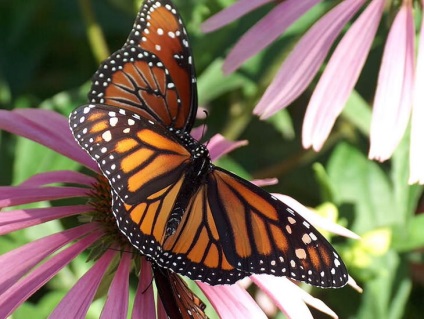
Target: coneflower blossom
399, 84
26, 269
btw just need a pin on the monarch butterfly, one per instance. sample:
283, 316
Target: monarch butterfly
169, 200
178, 300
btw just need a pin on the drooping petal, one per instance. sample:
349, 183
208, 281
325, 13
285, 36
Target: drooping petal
12, 196
290, 302
19, 219
232, 301
116, 305
231, 13
219, 146
416, 168
77, 301
46, 128
266, 31
46, 178
393, 98
301, 66
340, 76
27, 286
199, 132
265, 182
19, 261
144, 302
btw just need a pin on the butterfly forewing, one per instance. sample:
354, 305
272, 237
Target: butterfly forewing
159, 29
153, 71
137, 78
138, 156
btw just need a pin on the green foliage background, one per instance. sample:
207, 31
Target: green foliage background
48, 53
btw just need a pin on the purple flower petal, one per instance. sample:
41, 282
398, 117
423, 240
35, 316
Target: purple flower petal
77, 301
265, 182
161, 310
266, 31
290, 302
19, 219
340, 76
116, 305
17, 262
199, 132
231, 13
303, 63
24, 288
46, 128
393, 98
416, 169
144, 302
59, 177
11, 196
219, 146
232, 301
294, 306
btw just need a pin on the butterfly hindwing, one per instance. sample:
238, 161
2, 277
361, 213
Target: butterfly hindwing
177, 298
139, 157
264, 235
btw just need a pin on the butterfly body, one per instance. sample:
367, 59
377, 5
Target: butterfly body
169, 200
200, 166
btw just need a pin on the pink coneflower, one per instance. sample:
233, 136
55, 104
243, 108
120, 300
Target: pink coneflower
26, 269
395, 94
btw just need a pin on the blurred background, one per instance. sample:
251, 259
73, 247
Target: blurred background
48, 53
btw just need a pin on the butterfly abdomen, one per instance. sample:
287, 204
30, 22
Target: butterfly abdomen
195, 176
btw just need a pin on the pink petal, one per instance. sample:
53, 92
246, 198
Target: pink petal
11, 195
265, 182
144, 302
116, 305
161, 310
231, 13
19, 219
266, 31
59, 177
46, 128
27, 286
232, 301
199, 132
219, 146
301, 66
77, 301
340, 76
393, 98
416, 174
294, 306
282, 292
17, 262
316, 219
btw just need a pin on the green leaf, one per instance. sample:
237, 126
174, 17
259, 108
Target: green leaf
32, 158
358, 112
283, 123
212, 83
410, 236
361, 185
